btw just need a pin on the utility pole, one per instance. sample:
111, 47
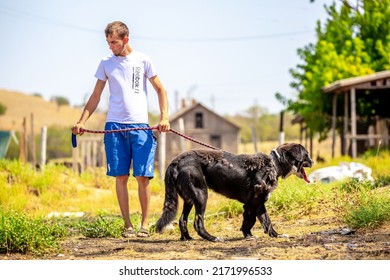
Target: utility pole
281, 128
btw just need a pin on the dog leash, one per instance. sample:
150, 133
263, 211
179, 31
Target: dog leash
82, 130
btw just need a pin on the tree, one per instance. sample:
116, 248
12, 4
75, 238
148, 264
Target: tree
354, 41
265, 124
60, 100
3, 109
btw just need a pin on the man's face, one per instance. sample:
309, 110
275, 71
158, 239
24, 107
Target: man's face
116, 44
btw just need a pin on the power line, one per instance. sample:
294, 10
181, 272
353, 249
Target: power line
45, 20
226, 39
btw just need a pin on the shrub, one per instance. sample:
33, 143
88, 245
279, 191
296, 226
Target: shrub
21, 234
100, 227
365, 207
368, 213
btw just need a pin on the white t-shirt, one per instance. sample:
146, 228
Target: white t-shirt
127, 77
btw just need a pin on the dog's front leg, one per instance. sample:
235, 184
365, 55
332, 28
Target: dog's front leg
265, 221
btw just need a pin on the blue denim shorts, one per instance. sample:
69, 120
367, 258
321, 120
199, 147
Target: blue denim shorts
136, 147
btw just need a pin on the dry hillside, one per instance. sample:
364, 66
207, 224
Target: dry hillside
20, 105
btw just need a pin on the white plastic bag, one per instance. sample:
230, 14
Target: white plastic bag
342, 171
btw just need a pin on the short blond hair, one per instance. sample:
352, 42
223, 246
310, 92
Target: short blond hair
117, 28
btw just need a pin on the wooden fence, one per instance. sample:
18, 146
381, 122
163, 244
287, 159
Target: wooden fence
89, 153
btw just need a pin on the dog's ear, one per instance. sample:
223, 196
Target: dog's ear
293, 152
300, 152
287, 151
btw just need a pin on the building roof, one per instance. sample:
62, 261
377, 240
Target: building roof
174, 117
346, 84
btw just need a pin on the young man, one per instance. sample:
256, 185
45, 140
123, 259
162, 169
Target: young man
127, 71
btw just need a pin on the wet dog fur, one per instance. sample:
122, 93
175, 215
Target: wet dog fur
249, 179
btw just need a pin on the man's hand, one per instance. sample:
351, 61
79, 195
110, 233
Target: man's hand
164, 126
76, 129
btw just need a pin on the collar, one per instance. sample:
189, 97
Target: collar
276, 158
276, 153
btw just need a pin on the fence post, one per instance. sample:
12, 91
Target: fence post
32, 141
23, 143
42, 161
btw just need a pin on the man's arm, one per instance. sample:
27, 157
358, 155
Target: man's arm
90, 107
164, 125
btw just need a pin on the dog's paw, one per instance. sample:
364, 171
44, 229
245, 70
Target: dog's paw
217, 239
186, 238
251, 238
273, 233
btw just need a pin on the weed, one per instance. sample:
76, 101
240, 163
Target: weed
368, 213
21, 234
294, 198
382, 180
365, 208
353, 185
101, 227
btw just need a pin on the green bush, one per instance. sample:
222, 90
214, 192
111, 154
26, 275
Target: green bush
364, 206
354, 185
381, 181
21, 234
368, 213
100, 227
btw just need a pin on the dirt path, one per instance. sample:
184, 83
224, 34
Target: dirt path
303, 239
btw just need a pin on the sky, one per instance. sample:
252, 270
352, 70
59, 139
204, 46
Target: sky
228, 55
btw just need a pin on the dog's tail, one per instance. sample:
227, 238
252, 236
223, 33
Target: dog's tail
171, 199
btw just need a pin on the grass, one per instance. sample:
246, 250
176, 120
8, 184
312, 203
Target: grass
94, 227
370, 212
294, 198
366, 206
21, 234
57, 189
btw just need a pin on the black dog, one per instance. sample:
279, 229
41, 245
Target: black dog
249, 179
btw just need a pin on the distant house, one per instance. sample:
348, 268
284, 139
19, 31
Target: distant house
200, 123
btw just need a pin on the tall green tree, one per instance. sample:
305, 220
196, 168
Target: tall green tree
354, 41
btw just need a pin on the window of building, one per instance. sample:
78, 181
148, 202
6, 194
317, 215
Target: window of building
199, 120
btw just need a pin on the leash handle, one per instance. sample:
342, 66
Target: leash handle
74, 141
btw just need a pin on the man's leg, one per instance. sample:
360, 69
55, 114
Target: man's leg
144, 199
123, 199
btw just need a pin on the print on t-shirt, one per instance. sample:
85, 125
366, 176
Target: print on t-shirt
137, 80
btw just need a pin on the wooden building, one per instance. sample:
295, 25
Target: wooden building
200, 123
367, 95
